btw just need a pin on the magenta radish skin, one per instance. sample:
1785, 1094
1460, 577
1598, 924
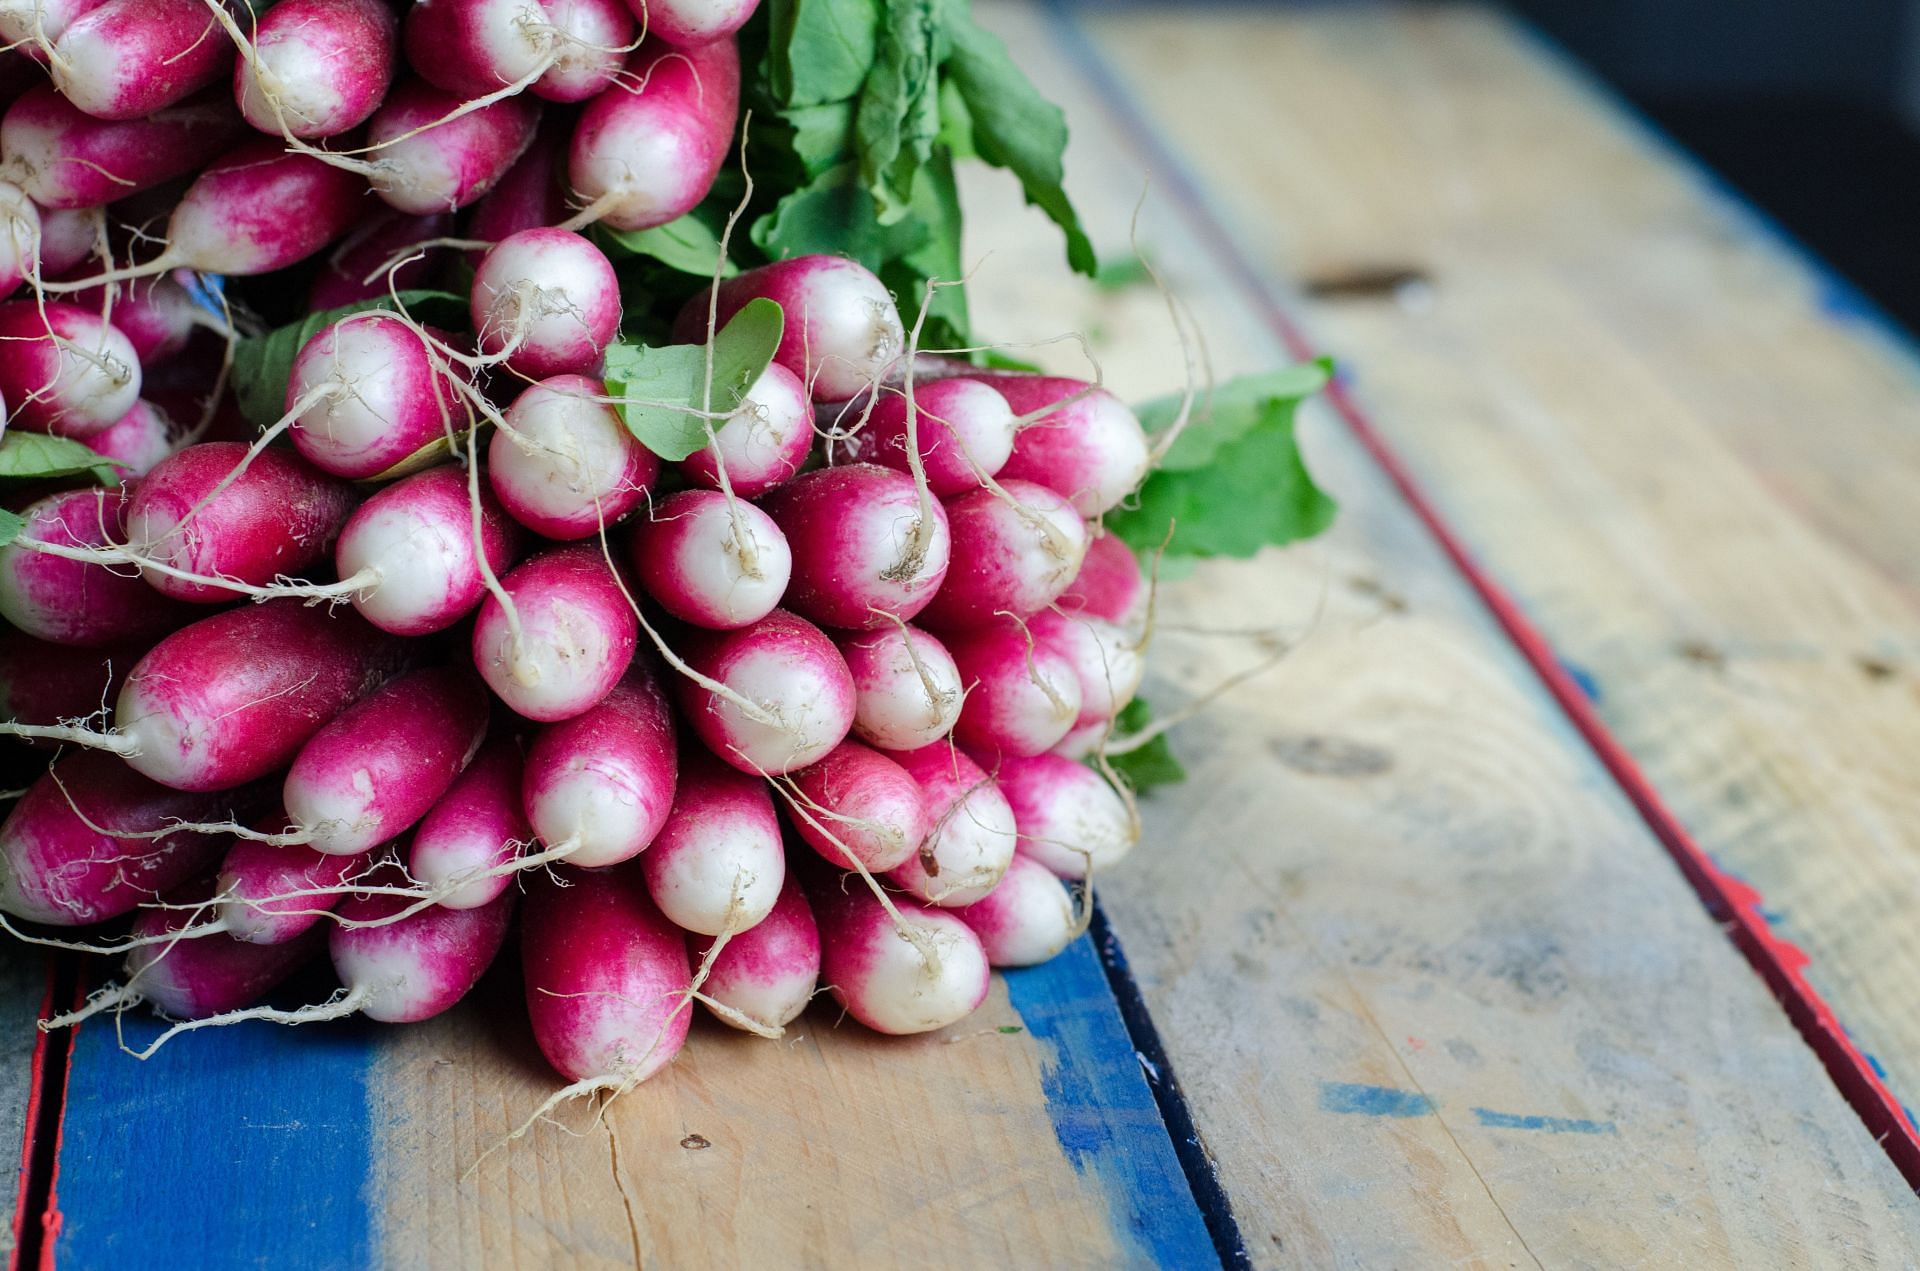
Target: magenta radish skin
235, 696
973, 832
578, 633
414, 541
964, 430
376, 256
651, 154
692, 23
64, 158
234, 218
718, 862
1109, 586
907, 691
76, 602
866, 548
604, 781
201, 976
606, 976
1070, 819
1026, 919
768, 972
843, 329
449, 165
67, 237
589, 47
327, 63
710, 564
478, 824
531, 195
787, 667
277, 518
866, 801
763, 443
156, 315
270, 893
565, 466
43, 683
381, 764
1092, 450
1006, 559
549, 299
55, 869
1106, 660
1023, 694
416, 967
24, 23
387, 396
50, 388
130, 58
470, 48
879, 977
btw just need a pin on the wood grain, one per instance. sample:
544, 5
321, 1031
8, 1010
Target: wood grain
1682, 445
23, 983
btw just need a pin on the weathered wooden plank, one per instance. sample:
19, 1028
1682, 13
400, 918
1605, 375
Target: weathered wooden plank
23, 983
1434, 992
1674, 438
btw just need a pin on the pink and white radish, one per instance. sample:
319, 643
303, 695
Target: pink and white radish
1107, 661
547, 302
130, 58
706, 560
645, 154
76, 601
1013, 552
63, 157
886, 980
562, 50
201, 976
868, 547
368, 393
34, 25
1109, 586
400, 970
1026, 919
19, 238
1023, 693
763, 443
718, 863
67, 237
599, 786
564, 465
692, 23
962, 429
407, 556
843, 329
859, 801
388, 252
428, 159
1089, 448
763, 978
1070, 819
462, 848
157, 315
783, 697
271, 892
972, 835
908, 692
567, 639
316, 67
65, 371
143, 437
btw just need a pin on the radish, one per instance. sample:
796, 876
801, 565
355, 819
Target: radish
67, 237
1026, 919
87, 842
1089, 448
1070, 819
973, 831
691, 23
43, 683
599, 786
859, 801
157, 315
376, 257
563, 50
843, 329
381, 764
1023, 693
763, 977
476, 828
1109, 585
962, 429
867, 546
709, 561
203, 976
531, 194
564, 465
369, 392
907, 690
130, 58
607, 980
72, 601
65, 158
269, 893
644, 155
567, 640
1011, 553
408, 555
317, 67
787, 698
431, 160
66, 371
893, 982
33, 25
1108, 663
19, 238
763, 443
400, 970
277, 517
717, 864
547, 302
591, 40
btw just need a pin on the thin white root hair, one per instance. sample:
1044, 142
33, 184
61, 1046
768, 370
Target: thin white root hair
343, 1003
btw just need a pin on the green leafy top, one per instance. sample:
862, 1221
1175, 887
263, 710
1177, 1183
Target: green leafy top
662, 388
33, 456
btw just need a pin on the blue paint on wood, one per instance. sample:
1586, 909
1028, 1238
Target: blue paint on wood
1551, 1125
1586, 681
246, 1146
1103, 1112
1372, 1101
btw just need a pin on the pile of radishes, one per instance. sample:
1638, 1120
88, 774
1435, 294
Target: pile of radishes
813, 703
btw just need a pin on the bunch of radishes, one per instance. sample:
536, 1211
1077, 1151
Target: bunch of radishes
450, 631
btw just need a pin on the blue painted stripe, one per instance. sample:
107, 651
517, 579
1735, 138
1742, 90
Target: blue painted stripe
247, 1146
1372, 1101
1103, 1111
1552, 1125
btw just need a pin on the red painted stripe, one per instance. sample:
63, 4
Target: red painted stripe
1780, 963
35, 1080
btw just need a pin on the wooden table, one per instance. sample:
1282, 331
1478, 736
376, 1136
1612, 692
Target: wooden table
1600, 727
